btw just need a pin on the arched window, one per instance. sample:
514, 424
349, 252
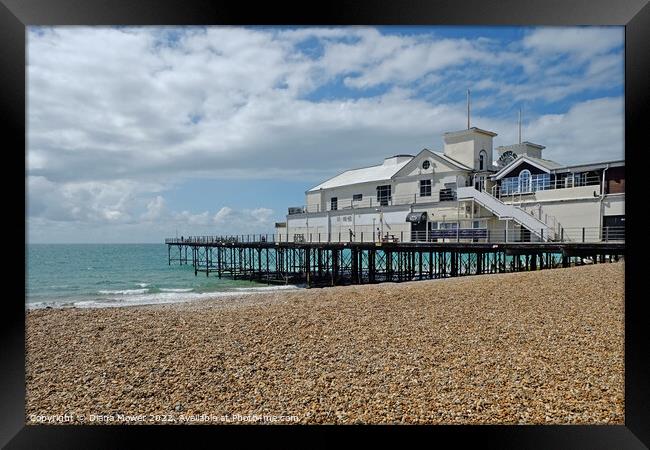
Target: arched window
524, 180
482, 160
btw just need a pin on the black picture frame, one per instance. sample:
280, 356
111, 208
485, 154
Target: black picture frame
15, 15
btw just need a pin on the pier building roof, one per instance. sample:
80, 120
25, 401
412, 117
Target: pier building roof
382, 172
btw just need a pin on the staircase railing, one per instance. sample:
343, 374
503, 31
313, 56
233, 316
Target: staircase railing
516, 200
549, 219
518, 214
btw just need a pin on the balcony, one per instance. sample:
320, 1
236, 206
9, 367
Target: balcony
542, 182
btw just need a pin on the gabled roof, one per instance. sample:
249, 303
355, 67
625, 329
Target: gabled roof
545, 165
445, 159
362, 175
451, 161
381, 172
545, 162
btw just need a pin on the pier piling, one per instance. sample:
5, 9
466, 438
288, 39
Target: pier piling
320, 264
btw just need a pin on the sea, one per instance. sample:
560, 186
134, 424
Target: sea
113, 275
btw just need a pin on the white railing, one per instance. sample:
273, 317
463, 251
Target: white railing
514, 189
537, 211
505, 212
572, 235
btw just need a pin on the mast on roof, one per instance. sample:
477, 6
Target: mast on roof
520, 124
468, 109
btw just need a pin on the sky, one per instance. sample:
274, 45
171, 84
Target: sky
137, 134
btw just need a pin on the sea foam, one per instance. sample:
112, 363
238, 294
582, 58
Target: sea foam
124, 292
140, 297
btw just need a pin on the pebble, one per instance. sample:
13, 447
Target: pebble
543, 347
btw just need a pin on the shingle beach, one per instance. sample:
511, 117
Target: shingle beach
530, 348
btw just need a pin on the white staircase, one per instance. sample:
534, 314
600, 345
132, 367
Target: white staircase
504, 211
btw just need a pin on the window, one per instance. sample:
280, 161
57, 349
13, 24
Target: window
448, 225
384, 194
426, 164
425, 188
482, 160
509, 185
357, 197
524, 181
446, 195
541, 182
579, 179
334, 203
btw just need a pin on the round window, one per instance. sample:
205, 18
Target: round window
426, 164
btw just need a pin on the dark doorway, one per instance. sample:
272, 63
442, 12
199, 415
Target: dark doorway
418, 231
418, 225
613, 228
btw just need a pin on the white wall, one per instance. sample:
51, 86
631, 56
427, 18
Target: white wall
344, 194
586, 192
460, 150
497, 231
409, 186
367, 220
614, 205
303, 224
465, 148
330, 224
405, 189
572, 213
483, 142
314, 201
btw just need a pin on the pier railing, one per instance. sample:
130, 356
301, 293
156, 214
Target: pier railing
483, 235
329, 264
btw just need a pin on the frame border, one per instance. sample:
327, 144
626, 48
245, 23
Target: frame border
16, 15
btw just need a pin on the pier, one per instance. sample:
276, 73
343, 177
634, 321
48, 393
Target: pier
267, 259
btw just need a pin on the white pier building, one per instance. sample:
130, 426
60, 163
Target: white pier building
465, 194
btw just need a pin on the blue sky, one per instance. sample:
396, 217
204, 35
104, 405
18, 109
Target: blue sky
137, 133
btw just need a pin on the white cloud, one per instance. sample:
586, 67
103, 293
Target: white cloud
155, 209
580, 42
189, 218
590, 131
228, 101
116, 117
262, 215
223, 215
244, 219
414, 60
86, 201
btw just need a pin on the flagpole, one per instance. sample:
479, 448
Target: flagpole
468, 109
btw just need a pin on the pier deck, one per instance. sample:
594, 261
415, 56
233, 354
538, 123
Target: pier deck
261, 258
